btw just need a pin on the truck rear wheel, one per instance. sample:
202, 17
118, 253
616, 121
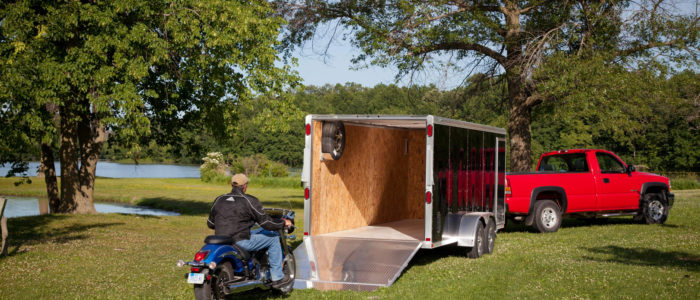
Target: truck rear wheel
654, 209
478, 249
547, 216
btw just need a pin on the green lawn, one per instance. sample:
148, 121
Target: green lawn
129, 256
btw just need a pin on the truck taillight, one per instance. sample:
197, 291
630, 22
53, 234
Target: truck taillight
428, 197
429, 130
201, 255
508, 192
306, 194
308, 129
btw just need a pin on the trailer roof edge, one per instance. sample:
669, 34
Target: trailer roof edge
437, 120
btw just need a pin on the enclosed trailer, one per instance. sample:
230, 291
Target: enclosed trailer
378, 188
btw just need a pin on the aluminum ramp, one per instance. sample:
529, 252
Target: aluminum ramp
364, 258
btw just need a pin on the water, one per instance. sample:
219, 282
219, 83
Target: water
117, 170
29, 206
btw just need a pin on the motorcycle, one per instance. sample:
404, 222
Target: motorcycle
222, 268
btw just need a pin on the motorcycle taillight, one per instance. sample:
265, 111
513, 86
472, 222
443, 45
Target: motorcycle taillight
201, 255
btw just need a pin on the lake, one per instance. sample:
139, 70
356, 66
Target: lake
117, 170
30, 206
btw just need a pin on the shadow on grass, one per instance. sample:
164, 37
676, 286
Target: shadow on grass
184, 207
292, 203
34, 230
512, 226
646, 257
428, 256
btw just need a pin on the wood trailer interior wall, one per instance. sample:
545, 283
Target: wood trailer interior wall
377, 180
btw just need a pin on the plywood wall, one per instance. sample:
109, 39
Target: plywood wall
375, 181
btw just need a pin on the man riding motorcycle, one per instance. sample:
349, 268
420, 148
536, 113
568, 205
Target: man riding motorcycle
234, 214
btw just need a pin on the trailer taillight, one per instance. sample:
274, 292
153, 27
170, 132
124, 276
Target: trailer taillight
428, 197
306, 194
429, 130
308, 129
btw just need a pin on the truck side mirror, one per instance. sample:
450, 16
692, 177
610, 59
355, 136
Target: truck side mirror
631, 169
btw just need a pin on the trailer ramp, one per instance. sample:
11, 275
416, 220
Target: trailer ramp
348, 261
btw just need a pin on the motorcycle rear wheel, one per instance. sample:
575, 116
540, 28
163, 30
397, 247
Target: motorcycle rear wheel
214, 288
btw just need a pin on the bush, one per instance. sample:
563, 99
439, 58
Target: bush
685, 184
259, 165
214, 168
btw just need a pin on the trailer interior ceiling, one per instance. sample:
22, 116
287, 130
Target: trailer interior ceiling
379, 179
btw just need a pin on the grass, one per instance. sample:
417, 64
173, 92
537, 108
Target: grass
128, 256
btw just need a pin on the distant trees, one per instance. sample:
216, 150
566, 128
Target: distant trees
75, 72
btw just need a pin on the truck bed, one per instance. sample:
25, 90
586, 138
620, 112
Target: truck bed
409, 230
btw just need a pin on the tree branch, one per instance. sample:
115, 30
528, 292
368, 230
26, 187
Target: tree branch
461, 46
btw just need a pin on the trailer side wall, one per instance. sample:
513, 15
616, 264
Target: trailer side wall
380, 178
465, 172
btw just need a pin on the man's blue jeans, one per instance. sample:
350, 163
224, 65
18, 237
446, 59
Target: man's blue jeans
261, 239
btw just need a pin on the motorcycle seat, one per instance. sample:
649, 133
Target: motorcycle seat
226, 240
218, 240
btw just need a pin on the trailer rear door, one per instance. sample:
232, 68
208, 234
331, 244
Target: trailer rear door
351, 263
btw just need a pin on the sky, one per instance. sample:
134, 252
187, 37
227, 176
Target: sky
336, 68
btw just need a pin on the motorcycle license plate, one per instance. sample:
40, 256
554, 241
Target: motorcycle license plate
195, 278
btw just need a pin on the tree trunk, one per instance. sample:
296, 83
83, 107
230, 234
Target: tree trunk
92, 136
520, 135
70, 181
49, 169
520, 117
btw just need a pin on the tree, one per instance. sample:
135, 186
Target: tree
508, 37
105, 67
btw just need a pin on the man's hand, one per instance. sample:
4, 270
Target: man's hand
287, 223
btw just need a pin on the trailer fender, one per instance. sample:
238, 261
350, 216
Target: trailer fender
462, 227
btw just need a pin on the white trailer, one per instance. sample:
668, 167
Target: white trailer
378, 188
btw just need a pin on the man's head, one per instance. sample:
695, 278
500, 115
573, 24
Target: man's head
239, 181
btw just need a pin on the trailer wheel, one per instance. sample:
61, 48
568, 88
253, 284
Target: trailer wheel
490, 237
333, 139
478, 249
547, 216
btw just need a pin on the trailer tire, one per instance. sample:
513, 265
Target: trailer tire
478, 249
547, 216
490, 237
654, 209
333, 139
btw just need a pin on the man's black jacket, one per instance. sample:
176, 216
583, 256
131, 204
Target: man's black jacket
233, 214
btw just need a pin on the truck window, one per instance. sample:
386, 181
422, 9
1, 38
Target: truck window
609, 164
575, 162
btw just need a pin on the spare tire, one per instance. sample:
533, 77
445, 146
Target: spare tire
333, 139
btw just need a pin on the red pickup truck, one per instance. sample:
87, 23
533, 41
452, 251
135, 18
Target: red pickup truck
585, 183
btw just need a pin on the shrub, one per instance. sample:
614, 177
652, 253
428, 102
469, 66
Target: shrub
214, 168
259, 165
685, 184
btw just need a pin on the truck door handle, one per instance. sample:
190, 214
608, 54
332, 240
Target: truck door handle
606, 180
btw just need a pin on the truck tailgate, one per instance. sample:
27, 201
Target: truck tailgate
359, 259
